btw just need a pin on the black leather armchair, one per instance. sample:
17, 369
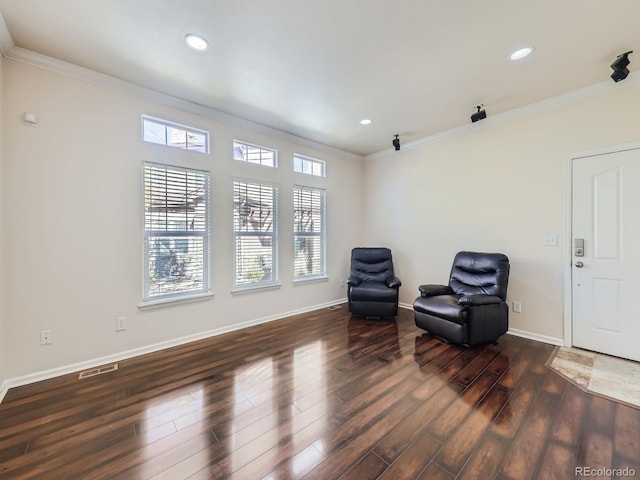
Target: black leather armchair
372, 287
472, 308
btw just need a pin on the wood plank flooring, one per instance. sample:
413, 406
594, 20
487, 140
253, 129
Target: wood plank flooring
320, 396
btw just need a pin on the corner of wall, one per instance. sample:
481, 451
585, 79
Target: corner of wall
3, 327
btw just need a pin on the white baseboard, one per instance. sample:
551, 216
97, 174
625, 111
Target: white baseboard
536, 336
518, 333
4, 388
95, 362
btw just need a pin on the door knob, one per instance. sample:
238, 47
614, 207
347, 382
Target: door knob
579, 264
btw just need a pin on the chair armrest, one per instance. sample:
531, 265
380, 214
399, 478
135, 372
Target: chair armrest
479, 300
433, 290
353, 281
393, 282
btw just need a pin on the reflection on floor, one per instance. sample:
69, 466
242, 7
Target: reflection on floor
597, 373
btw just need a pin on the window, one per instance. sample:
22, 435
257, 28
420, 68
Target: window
245, 152
309, 232
176, 232
171, 134
256, 233
308, 166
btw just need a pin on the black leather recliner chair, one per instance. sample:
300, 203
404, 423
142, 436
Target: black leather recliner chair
372, 288
472, 309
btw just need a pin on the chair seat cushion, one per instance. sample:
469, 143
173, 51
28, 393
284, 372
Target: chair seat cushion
443, 306
371, 291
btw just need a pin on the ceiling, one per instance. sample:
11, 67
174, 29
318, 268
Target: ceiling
315, 68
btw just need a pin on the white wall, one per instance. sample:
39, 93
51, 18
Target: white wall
72, 234
499, 188
73, 231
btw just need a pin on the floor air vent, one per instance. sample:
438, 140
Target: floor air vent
333, 307
98, 371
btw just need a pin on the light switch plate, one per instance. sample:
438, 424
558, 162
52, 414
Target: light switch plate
550, 239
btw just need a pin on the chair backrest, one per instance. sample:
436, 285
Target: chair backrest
371, 264
475, 273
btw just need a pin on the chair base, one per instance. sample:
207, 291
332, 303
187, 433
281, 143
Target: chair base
374, 309
449, 331
460, 334
372, 318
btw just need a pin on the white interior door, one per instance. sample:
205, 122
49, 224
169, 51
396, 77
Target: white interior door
606, 278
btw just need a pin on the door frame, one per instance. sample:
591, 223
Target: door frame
568, 244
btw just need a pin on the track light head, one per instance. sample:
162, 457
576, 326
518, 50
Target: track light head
479, 115
396, 143
619, 66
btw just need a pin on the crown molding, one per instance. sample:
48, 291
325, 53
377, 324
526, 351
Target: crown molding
61, 67
531, 109
10, 51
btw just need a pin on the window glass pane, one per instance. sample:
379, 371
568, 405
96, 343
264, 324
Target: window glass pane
316, 169
308, 166
254, 260
176, 137
176, 231
307, 257
255, 154
173, 135
255, 230
197, 141
154, 132
176, 265
297, 164
309, 231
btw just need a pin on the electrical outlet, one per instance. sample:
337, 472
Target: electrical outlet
342, 283
121, 323
46, 337
517, 306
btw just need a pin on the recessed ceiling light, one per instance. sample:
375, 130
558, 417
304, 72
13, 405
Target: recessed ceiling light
365, 121
520, 54
197, 42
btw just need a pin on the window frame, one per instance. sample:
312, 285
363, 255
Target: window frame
244, 286
177, 126
149, 298
322, 234
306, 160
256, 146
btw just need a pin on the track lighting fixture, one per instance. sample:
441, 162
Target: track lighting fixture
396, 143
479, 115
619, 66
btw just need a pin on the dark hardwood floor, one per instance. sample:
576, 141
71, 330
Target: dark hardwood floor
319, 396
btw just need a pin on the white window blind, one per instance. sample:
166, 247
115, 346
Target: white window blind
255, 228
176, 231
246, 152
309, 222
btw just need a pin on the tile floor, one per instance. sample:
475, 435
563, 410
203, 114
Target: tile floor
597, 373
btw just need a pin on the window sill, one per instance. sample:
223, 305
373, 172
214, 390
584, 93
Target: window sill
303, 280
254, 288
166, 302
